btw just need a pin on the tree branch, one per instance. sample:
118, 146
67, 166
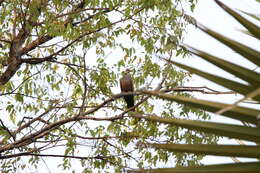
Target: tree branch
1, 1
107, 137
204, 90
54, 155
36, 43
15, 53
82, 116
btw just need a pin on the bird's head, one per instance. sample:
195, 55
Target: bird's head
128, 70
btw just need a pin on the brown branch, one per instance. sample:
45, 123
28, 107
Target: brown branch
50, 57
13, 91
53, 155
18, 154
81, 10
105, 10
24, 95
5, 41
16, 52
107, 137
1, 1
197, 89
44, 39
36, 43
91, 16
46, 130
66, 64
13, 66
51, 126
28, 124
117, 148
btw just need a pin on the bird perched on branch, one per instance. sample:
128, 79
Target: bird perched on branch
126, 85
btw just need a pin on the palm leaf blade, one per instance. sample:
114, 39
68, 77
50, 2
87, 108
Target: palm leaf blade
247, 75
235, 86
250, 167
247, 52
254, 29
239, 113
228, 130
218, 150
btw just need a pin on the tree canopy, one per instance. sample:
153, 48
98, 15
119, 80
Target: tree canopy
60, 63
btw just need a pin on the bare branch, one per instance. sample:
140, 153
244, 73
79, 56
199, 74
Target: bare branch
248, 96
54, 155
5, 41
197, 89
1, 1
82, 116
107, 137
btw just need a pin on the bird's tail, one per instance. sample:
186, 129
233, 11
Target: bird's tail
129, 101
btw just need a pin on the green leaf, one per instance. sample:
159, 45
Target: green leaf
19, 98
3, 132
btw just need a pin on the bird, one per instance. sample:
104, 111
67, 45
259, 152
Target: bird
126, 85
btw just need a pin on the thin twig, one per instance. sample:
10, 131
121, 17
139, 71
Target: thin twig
248, 96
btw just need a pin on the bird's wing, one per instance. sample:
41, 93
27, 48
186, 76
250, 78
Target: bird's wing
121, 84
130, 83
126, 84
